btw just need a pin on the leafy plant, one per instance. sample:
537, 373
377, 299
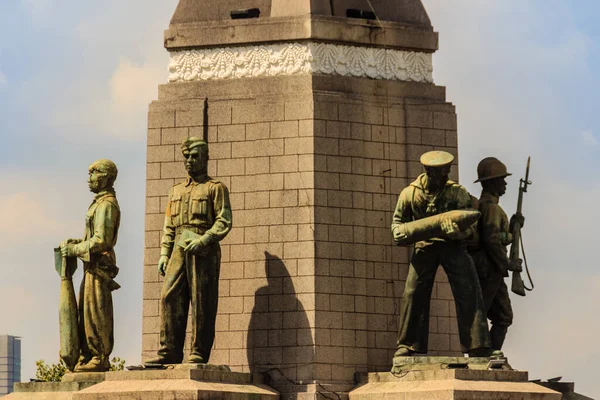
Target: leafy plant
116, 364
49, 373
55, 372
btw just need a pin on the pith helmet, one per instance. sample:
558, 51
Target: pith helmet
490, 168
436, 158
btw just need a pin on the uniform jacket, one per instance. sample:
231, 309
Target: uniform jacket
101, 229
415, 203
494, 233
202, 207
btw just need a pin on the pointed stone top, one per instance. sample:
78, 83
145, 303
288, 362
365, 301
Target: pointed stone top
410, 12
402, 24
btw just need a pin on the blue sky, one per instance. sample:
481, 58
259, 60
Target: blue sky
76, 79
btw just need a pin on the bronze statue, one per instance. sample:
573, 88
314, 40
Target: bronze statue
432, 194
198, 216
489, 251
96, 250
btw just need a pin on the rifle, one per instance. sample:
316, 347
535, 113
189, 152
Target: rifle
518, 286
205, 124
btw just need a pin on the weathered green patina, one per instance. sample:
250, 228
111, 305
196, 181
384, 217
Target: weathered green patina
96, 250
432, 193
489, 254
67, 310
198, 208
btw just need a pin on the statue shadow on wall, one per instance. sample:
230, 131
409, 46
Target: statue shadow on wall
279, 336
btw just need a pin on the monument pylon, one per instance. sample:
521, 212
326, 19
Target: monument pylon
318, 112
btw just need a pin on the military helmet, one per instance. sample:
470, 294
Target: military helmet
490, 168
105, 166
436, 158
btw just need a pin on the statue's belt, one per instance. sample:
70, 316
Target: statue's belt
105, 275
194, 228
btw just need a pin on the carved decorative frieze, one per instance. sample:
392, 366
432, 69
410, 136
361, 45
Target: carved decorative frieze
300, 59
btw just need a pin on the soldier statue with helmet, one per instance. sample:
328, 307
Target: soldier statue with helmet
87, 329
431, 212
489, 251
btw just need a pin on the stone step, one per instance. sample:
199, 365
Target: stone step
175, 382
451, 384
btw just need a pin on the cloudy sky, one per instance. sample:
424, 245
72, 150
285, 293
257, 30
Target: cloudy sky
76, 79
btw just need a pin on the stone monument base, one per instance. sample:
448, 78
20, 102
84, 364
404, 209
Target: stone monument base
450, 384
402, 364
183, 382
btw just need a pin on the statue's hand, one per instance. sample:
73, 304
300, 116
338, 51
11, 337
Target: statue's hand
506, 238
515, 265
162, 265
450, 229
66, 249
195, 246
516, 218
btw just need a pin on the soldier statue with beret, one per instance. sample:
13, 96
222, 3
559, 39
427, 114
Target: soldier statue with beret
198, 216
434, 204
489, 251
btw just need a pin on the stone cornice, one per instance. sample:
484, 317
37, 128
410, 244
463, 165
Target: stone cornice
390, 35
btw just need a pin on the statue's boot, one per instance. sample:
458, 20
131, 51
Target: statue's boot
161, 360
197, 359
94, 365
497, 336
486, 352
403, 352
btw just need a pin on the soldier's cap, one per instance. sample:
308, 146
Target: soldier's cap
490, 168
193, 142
106, 166
436, 158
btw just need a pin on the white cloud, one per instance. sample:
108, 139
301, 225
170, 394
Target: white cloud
20, 223
589, 139
35, 200
119, 112
105, 80
132, 88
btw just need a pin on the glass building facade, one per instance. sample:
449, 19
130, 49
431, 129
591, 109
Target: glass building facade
10, 362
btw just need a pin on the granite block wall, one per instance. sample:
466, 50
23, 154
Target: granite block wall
310, 279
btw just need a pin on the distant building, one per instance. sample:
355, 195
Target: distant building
10, 362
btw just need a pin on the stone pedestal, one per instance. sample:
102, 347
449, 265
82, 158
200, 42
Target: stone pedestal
168, 384
450, 384
64, 390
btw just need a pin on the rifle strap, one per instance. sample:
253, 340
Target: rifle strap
529, 289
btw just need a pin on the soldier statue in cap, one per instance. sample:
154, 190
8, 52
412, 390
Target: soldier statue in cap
430, 195
198, 216
489, 251
96, 250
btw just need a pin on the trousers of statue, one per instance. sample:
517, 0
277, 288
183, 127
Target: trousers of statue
96, 322
189, 280
462, 276
497, 305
